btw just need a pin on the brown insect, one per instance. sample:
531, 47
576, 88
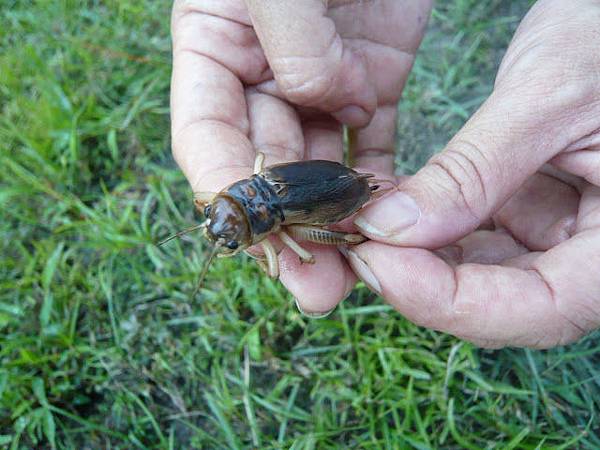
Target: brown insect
294, 200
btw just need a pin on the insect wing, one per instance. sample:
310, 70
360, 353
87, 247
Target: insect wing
317, 192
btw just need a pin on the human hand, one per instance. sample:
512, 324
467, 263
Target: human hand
535, 280
279, 77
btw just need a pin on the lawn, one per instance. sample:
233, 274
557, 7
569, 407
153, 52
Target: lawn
100, 346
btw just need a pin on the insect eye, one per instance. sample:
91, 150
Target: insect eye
232, 245
207, 210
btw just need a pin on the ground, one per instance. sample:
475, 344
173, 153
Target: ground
100, 346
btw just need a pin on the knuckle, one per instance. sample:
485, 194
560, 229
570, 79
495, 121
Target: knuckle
181, 9
572, 319
305, 88
308, 80
559, 92
440, 313
576, 319
464, 172
184, 7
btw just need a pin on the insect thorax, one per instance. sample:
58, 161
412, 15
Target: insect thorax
260, 203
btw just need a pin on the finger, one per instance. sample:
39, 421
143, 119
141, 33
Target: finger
209, 135
525, 261
317, 287
570, 273
542, 213
200, 27
274, 128
323, 138
320, 287
486, 303
386, 34
584, 163
589, 209
389, 58
379, 19
208, 108
482, 247
275, 131
373, 147
459, 188
309, 61
502, 145
568, 178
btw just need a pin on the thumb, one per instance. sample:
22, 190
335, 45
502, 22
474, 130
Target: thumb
310, 63
481, 167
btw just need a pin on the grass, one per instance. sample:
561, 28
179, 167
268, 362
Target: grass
99, 346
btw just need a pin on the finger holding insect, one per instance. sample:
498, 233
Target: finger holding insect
277, 130
212, 154
314, 194
274, 129
208, 110
318, 287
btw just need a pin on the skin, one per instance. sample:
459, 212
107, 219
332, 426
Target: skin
496, 240
275, 77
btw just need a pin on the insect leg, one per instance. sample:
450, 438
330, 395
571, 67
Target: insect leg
260, 260
320, 235
258, 162
201, 199
271, 254
305, 256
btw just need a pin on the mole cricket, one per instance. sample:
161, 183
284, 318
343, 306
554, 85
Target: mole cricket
294, 201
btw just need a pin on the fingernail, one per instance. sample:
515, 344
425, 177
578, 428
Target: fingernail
352, 115
312, 315
364, 272
389, 216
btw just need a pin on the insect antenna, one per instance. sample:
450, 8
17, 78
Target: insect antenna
181, 233
204, 271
